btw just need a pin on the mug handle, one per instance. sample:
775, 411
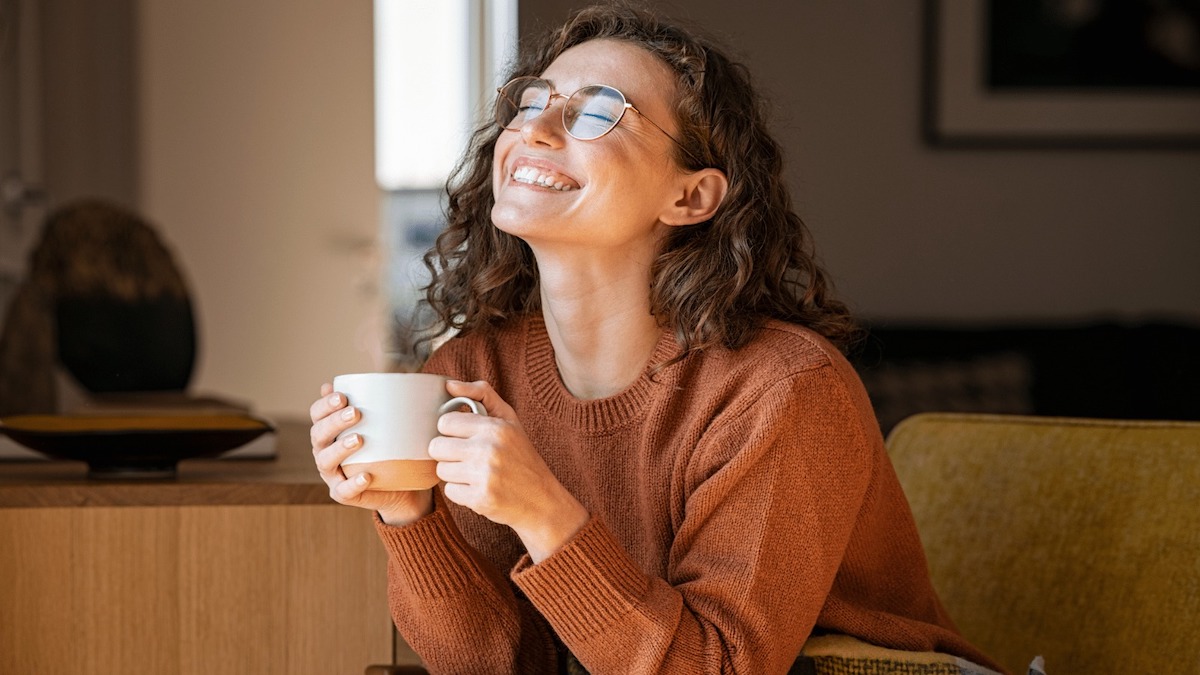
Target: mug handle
453, 404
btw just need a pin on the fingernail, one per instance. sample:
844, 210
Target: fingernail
348, 414
335, 400
350, 441
362, 479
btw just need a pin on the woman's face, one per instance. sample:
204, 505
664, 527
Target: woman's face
615, 186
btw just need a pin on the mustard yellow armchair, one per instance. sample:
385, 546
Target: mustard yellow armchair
1075, 539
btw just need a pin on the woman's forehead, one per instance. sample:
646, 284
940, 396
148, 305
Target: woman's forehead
639, 74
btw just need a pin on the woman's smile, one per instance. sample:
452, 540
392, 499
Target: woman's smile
543, 174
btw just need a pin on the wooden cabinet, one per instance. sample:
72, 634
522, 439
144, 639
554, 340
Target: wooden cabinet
238, 566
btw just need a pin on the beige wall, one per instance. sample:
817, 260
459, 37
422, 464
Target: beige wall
256, 159
88, 55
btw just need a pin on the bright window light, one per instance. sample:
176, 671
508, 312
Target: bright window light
435, 62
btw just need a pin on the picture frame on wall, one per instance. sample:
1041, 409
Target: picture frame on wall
1062, 73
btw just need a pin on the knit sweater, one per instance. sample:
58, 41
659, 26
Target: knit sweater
739, 500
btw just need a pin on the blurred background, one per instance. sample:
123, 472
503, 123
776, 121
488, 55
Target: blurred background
990, 247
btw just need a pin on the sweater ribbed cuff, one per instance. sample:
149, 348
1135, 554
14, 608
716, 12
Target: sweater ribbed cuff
585, 586
430, 555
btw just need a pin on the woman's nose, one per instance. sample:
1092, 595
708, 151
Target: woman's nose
545, 129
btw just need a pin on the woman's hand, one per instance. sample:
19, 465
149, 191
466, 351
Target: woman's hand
330, 417
491, 467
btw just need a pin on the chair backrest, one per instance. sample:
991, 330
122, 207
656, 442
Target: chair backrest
1075, 539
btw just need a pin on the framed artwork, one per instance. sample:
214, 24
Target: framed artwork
1062, 73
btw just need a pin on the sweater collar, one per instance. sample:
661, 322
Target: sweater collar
595, 416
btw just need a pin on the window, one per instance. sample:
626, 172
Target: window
437, 66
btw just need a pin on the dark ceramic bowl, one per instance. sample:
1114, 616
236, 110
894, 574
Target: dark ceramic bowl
132, 446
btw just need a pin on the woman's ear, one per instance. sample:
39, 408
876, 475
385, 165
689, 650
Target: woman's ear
703, 192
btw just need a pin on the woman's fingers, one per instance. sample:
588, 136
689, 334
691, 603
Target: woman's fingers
349, 491
331, 416
450, 472
459, 493
330, 458
327, 403
460, 466
483, 392
327, 428
464, 424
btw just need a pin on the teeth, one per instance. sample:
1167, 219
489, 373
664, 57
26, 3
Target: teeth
531, 176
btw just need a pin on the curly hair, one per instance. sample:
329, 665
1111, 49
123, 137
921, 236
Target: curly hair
712, 283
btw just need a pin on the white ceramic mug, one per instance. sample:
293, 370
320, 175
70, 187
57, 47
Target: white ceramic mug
398, 418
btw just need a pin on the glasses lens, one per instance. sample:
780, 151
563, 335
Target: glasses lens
520, 101
593, 111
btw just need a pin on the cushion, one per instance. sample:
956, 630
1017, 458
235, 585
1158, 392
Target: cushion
845, 655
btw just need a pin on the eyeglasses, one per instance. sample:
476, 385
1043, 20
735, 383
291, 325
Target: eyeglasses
588, 114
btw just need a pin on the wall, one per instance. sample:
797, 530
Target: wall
67, 124
911, 232
255, 158
88, 104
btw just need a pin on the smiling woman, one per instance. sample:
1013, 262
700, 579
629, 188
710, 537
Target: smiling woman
680, 472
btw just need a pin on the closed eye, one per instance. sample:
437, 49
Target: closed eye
600, 117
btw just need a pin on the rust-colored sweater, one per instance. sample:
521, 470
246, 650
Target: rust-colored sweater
740, 500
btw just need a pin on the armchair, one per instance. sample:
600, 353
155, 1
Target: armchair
1075, 539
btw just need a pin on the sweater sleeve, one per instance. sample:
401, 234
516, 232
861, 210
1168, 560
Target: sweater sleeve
771, 492
454, 608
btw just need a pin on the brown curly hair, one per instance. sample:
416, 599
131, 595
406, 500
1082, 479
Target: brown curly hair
713, 283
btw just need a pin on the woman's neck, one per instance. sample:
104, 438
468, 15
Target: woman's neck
599, 324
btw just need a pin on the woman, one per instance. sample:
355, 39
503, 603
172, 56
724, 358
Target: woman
681, 473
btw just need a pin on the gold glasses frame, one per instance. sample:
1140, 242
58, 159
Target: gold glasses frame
625, 104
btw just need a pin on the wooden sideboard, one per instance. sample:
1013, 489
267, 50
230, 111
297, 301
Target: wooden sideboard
236, 566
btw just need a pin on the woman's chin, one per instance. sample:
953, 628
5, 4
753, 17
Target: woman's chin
519, 219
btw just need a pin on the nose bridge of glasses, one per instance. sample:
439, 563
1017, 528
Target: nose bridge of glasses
540, 114
555, 95
525, 115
